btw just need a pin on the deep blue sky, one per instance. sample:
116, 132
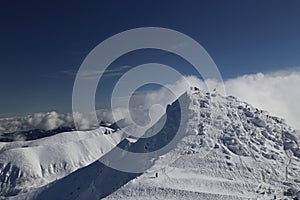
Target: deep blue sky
44, 42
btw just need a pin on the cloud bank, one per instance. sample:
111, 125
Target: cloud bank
276, 92
53, 120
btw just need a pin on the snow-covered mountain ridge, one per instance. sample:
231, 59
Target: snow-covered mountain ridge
232, 151
26, 165
227, 150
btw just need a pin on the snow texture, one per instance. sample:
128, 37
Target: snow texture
227, 150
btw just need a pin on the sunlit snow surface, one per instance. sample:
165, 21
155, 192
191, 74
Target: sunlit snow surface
230, 150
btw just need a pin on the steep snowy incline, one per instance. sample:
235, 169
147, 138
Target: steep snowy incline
231, 151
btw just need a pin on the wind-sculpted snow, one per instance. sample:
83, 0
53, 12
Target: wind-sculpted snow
227, 150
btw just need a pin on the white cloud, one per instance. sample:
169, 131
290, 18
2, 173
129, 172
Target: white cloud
275, 92
164, 97
46, 121
53, 120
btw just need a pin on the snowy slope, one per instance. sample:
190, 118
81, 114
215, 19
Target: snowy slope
26, 165
226, 150
231, 151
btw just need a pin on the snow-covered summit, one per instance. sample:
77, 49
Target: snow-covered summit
231, 150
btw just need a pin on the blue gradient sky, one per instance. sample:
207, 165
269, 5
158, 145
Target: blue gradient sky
44, 42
